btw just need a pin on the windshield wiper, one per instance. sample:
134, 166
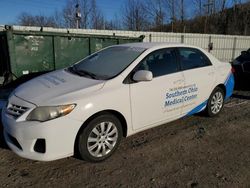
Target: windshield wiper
86, 73
72, 69
83, 73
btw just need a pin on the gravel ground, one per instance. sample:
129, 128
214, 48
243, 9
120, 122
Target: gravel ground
194, 151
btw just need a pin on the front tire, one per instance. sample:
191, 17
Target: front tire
100, 138
215, 102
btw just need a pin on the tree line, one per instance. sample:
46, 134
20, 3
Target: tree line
194, 16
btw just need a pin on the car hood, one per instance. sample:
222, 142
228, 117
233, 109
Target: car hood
47, 87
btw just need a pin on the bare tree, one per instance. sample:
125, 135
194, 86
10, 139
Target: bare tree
25, 19
134, 15
85, 8
97, 18
59, 19
199, 7
91, 15
177, 14
222, 4
156, 13
172, 7
236, 2
69, 13
246, 21
221, 16
114, 24
38, 20
182, 11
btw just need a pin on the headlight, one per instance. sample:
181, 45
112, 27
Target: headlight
45, 113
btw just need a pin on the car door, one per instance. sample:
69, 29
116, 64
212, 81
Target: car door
153, 101
199, 77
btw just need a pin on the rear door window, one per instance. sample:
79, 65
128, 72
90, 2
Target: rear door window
191, 58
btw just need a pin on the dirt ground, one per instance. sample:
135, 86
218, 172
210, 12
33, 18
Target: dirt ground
194, 151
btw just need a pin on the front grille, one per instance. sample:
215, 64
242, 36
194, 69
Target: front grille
16, 110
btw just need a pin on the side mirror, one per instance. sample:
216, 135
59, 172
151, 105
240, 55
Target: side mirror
243, 52
143, 75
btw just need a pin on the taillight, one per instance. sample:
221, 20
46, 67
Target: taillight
233, 70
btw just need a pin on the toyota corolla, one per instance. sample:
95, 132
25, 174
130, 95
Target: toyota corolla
119, 91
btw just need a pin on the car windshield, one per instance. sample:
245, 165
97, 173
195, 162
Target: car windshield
107, 63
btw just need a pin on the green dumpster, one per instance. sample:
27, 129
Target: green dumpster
25, 52
28, 53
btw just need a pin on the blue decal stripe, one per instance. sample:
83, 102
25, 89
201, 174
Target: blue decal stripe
229, 84
197, 109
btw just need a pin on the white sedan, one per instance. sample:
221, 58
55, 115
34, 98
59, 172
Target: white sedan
114, 93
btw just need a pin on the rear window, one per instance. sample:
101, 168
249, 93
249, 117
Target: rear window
244, 57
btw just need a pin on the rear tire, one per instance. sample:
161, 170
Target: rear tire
100, 138
215, 102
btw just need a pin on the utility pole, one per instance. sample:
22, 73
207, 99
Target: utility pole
214, 7
172, 25
173, 14
208, 5
200, 8
182, 11
78, 15
182, 16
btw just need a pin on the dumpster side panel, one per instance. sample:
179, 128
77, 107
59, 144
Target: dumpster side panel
33, 53
97, 43
69, 50
30, 53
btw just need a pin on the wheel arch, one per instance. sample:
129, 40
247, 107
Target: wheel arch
223, 87
207, 110
113, 112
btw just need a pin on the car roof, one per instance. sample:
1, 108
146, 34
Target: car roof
148, 45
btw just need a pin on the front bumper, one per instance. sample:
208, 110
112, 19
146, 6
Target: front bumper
58, 137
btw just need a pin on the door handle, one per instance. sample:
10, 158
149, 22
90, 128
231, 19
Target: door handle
178, 81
